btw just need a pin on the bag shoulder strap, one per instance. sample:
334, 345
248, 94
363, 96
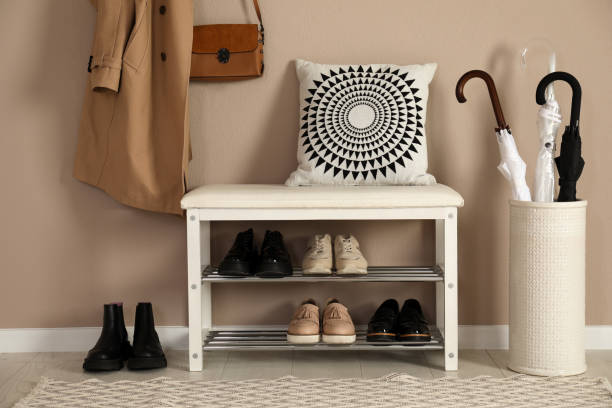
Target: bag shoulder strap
258, 11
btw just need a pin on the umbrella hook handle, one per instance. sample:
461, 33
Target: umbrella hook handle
552, 64
576, 92
552, 59
476, 73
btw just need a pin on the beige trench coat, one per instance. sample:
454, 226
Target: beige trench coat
134, 133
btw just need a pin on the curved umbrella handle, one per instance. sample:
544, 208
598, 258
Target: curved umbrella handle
499, 115
576, 92
552, 65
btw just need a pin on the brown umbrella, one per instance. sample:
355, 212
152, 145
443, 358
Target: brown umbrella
511, 166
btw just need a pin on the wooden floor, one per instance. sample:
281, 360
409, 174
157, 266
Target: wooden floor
21, 371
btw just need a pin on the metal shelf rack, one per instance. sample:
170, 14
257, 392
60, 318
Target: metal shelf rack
375, 274
277, 340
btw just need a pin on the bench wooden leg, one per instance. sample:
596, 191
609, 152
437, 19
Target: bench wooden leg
194, 290
446, 291
206, 296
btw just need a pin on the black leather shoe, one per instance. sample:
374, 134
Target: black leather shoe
274, 260
148, 351
112, 347
242, 256
383, 325
411, 324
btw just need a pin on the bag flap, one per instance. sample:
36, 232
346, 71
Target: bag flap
208, 39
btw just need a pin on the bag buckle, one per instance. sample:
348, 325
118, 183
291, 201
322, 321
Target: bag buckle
223, 55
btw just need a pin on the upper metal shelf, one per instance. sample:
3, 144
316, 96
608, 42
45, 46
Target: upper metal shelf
375, 274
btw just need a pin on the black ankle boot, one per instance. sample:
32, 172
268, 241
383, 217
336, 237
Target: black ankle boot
126, 347
113, 347
147, 350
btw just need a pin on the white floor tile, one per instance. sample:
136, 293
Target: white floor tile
599, 363
375, 364
500, 357
472, 363
243, 365
328, 364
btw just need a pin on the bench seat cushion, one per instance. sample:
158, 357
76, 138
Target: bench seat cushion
320, 196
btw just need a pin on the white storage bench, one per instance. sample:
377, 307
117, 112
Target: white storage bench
278, 202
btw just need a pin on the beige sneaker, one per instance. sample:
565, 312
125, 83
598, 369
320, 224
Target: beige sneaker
318, 259
349, 259
338, 327
304, 326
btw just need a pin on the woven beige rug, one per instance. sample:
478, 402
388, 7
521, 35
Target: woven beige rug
396, 390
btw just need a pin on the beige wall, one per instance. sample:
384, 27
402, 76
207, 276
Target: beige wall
67, 248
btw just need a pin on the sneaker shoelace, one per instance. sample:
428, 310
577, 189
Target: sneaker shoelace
273, 243
319, 245
347, 245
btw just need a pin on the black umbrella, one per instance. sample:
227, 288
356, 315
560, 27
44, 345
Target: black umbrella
570, 162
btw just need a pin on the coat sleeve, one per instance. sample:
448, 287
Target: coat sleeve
114, 23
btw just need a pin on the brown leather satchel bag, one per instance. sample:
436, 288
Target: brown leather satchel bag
226, 52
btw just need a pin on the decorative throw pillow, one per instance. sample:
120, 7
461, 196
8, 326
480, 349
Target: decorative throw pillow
362, 124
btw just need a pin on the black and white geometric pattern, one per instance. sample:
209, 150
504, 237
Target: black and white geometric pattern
363, 123
360, 122
396, 390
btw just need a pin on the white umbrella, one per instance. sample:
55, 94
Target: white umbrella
549, 120
511, 166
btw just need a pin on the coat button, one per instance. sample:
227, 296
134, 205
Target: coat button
163, 56
162, 10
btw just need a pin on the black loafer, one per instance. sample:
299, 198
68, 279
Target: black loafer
274, 260
411, 324
240, 259
383, 325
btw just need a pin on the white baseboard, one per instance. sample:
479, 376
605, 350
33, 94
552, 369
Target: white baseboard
176, 337
76, 339
492, 337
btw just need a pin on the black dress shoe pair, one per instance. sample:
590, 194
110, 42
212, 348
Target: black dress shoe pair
113, 347
391, 324
243, 260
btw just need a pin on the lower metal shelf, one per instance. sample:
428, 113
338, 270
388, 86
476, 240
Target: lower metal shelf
277, 340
